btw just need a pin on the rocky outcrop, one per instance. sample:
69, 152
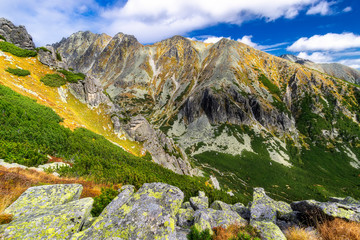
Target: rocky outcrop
162, 148
48, 212
150, 213
47, 55
16, 35
157, 211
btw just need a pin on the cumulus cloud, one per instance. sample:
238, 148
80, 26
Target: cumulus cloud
327, 42
213, 39
247, 40
347, 9
49, 21
158, 19
323, 8
318, 57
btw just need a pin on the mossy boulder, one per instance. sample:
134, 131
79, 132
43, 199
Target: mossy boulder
58, 222
186, 205
263, 208
313, 211
243, 211
268, 230
200, 202
185, 217
150, 213
219, 205
37, 198
210, 218
48, 212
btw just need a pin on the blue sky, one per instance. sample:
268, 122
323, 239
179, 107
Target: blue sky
319, 30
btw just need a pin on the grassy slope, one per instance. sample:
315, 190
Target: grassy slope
74, 113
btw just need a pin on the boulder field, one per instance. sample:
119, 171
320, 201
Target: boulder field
158, 211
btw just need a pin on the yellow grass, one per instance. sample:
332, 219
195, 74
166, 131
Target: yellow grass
15, 181
339, 229
300, 234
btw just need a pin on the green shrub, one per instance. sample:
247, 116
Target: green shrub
197, 235
58, 56
18, 71
3, 38
42, 48
16, 51
101, 201
72, 77
53, 80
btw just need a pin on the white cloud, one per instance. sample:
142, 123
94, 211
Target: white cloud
327, 42
318, 57
150, 21
49, 21
247, 40
354, 63
322, 8
213, 39
347, 9
158, 19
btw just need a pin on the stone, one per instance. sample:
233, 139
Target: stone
200, 202
263, 208
150, 213
243, 211
219, 205
53, 165
16, 35
268, 230
214, 182
40, 197
50, 222
185, 217
313, 211
186, 205
210, 218
48, 57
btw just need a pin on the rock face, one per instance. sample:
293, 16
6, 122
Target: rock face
48, 212
16, 35
162, 148
200, 202
49, 58
334, 69
150, 213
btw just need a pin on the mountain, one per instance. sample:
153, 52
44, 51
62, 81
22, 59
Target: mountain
232, 108
336, 70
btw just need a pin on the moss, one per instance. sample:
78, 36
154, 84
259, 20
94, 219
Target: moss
53, 80
16, 51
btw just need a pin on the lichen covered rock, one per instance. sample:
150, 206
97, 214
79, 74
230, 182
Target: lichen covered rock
263, 208
243, 211
185, 217
219, 205
40, 197
200, 202
268, 230
53, 222
210, 218
147, 214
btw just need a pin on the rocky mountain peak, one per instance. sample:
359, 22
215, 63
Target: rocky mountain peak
16, 34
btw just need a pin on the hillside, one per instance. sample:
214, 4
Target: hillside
241, 114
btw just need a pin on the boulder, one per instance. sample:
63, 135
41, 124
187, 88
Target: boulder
185, 217
200, 202
210, 218
268, 230
149, 213
263, 208
311, 211
186, 205
41, 197
50, 222
243, 211
219, 205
